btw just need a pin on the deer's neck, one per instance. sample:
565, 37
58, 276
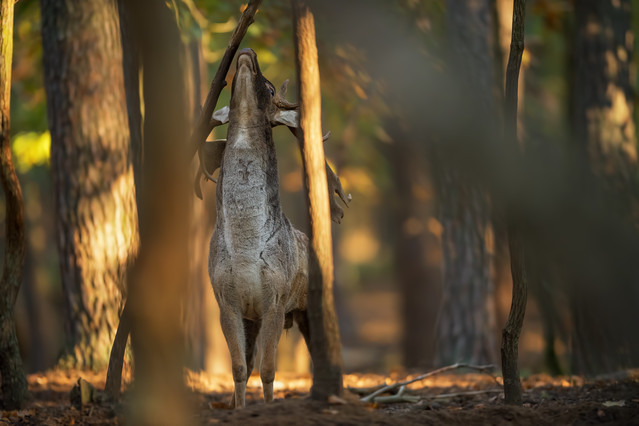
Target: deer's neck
248, 189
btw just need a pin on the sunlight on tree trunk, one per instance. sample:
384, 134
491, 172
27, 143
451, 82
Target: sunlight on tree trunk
92, 170
325, 340
605, 134
14, 382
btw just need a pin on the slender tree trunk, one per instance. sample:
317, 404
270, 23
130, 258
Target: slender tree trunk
604, 131
512, 329
92, 170
14, 382
159, 277
467, 324
195, 318
325, 340
131, 71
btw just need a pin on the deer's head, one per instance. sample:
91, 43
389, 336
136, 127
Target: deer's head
254, 100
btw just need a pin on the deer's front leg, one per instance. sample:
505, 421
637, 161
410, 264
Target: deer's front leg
233, 329
272, 325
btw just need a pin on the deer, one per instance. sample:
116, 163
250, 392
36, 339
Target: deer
258, 262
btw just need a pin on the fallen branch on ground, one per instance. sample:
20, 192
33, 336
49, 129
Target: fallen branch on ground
468, 393
480, 368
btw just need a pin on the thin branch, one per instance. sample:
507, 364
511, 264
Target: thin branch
400, 397
481, 368
456, 394
204, 123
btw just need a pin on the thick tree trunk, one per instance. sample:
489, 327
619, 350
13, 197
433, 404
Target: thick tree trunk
604, 133
158, 278
325, 340
14, 382
92, 171
466, 325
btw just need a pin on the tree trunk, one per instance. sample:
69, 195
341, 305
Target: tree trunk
14, 382
604, 133
418, 278
516, 245
159, 277
466, 325
325, 341
603, 95
195, 313
92, 170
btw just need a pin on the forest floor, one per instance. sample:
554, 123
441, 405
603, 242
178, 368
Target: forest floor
547, 401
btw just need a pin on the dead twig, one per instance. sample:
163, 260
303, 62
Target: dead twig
468, 393
480, 368
400, 397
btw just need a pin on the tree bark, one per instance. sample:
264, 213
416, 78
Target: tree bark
92, 170
512, 329
158, 277
603, 95
14, 382
325, 343
605, 136
467, 321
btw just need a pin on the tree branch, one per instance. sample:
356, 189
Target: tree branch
481, 368
204, 124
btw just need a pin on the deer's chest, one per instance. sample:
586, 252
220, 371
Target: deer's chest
246, 211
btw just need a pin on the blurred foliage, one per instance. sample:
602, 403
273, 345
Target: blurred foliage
31, 149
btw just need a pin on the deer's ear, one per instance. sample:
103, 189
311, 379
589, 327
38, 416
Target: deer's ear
286, 117
222, 115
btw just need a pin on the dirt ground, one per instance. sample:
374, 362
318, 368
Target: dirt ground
547, 401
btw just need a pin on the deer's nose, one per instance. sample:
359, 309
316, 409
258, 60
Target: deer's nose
248, 51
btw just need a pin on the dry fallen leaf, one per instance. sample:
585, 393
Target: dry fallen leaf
219, 405
336, 400
329, 411
614, 403
25, 413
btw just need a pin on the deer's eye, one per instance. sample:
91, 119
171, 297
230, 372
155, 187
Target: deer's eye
271, 91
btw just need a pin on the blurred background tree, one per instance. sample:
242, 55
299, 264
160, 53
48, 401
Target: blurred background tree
96, 215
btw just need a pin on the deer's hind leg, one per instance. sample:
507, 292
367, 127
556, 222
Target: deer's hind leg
301, 319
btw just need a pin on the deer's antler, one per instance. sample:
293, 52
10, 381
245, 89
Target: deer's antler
334, 184
280, 101
335, 187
